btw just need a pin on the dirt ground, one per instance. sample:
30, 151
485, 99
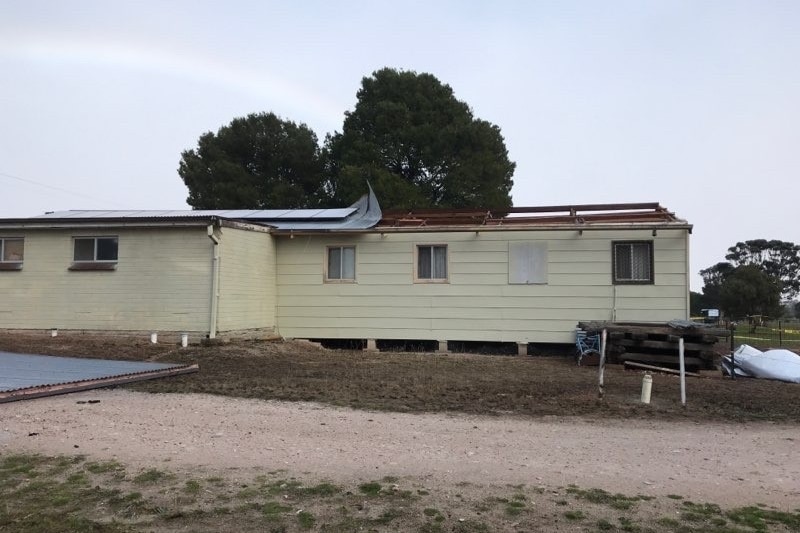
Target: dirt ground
450, 423
426, 382
724, 463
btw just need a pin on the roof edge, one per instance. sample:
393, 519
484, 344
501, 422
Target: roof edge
650, 226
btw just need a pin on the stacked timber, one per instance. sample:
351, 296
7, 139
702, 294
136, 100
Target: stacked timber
657, 343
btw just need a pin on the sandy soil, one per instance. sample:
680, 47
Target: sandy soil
727, 464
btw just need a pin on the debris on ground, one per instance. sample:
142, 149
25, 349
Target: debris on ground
779, 364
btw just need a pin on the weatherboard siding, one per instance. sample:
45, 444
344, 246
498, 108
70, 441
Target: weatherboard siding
477, 303
247, 280
161, 283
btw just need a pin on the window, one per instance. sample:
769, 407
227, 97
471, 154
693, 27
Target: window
95, 253
632, 262
431, 262
341, 265
527, 263
12, 252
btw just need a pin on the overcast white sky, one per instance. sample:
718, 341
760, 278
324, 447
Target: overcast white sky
693, 104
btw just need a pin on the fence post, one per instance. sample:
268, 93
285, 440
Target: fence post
602, 367
682, 361
733, 357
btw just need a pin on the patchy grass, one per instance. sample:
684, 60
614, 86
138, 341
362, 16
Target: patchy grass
150, 476
273, 509
599, 496
574, 515
105, 467
514, 507
192, 486
306, 519
60, 495
370, 489
761, 519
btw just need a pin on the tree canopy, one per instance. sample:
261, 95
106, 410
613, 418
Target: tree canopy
756, 276
408, 135
256, 162
713, 277
749, 291
420, 147
777, 259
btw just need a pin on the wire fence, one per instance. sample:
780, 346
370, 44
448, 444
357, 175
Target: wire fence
765, 334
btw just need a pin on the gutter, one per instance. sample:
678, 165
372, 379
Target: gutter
95, 224
100, 224
214, 304
486, 228
688, 278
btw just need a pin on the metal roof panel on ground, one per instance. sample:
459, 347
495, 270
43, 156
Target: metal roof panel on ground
31, 375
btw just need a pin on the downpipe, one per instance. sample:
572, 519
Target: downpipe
212, 326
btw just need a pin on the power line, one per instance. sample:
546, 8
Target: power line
54, 188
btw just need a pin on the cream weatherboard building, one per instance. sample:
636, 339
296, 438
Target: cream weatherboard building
527, 276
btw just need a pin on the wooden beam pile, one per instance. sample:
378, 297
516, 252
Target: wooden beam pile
650, 343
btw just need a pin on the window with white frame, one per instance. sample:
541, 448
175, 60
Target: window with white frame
95, 249
632, 262
12, 253
341, 263
431, 262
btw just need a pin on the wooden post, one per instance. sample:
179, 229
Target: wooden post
602, 366
683, 371
733, 352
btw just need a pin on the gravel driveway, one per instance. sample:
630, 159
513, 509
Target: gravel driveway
730, 464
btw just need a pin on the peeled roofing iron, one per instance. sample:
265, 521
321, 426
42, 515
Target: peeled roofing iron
26, 376
364, 214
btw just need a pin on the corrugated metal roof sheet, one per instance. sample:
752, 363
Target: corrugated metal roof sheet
21, 371
363, 214
366, 214
239, 214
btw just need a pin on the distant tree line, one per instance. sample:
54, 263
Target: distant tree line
416, 143
757, 278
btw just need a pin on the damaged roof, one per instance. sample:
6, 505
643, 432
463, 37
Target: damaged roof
557, 216
363, 214
366, 216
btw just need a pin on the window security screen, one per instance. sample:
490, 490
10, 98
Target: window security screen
633, 261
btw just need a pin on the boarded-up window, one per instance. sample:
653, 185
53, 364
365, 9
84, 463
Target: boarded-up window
633, 262
527, 263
